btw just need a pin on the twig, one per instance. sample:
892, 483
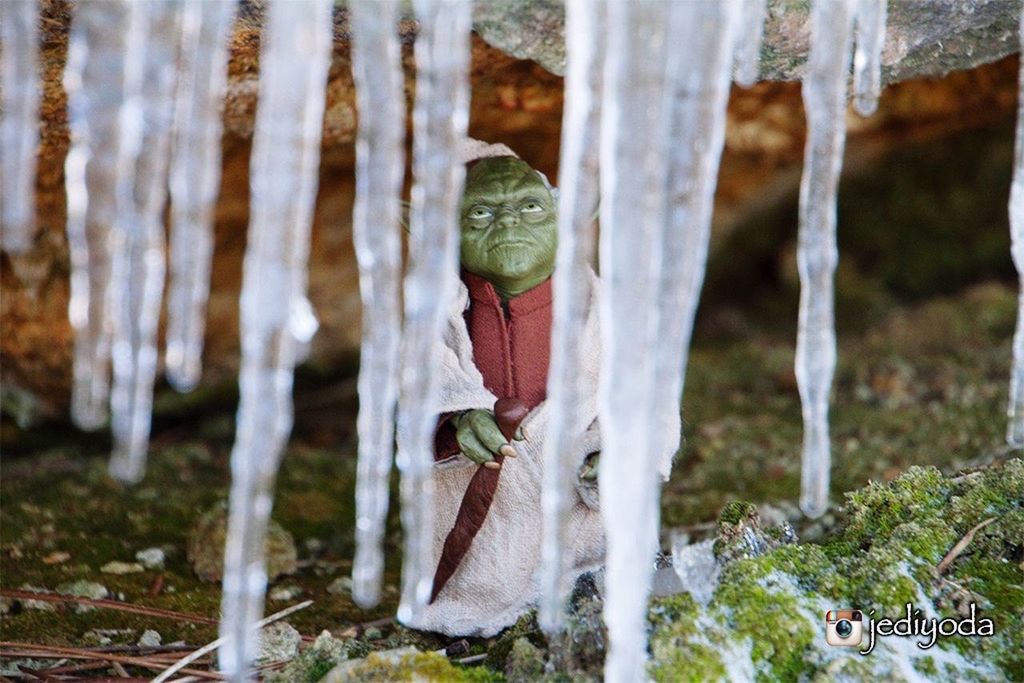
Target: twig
54, 652
472, 659
108, 604
210, 647
960, 545
119, 670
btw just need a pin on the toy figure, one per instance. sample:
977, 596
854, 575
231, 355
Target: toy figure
488, 477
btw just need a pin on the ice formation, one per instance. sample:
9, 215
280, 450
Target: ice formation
440, 117
295, 55
137, 252
1015, 411
94, 80
376, 231
195, 182
577, 238
662, 136
748, 41
825, 98
867, 57
19, 123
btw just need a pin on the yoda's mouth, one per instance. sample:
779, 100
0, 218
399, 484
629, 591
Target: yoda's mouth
509, 244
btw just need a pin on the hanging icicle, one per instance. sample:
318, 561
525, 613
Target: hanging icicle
194, 182
635, 131
137, 263
1015, 411
19, 122
94, 80
867, 57
440, 117
748, 41
824, 92
577, 237
295, 55
376, 231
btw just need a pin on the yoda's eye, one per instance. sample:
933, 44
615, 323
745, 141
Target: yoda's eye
478, 213
531, 207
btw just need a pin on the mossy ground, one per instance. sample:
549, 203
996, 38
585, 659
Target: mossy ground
923, 385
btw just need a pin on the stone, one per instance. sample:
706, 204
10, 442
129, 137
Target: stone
117, 567
40, 605
279, 642
84, 589
151, 558
205, 550
340, 586
284, 593
149, 638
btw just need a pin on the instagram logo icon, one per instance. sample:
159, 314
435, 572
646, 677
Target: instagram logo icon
844, 627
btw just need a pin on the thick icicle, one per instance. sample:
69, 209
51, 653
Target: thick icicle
709, 32
376, 231
19, 121
137, 266
867, 57
295, 54
577, 206
1015, 411
824, 93
195, 181
94, 81
440, 117
635, 127
748, 41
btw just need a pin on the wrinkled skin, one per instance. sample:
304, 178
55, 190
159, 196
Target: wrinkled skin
509, 235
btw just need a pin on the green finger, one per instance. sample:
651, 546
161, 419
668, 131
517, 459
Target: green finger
471, 446
489, 434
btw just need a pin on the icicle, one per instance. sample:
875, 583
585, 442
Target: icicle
439, 125
19, 121
376, 231
748, 41
634, 147
577, 204
295, 55
1015, 411
94, 81
194, 182
867, 58
824, 93
137, 266
660, 165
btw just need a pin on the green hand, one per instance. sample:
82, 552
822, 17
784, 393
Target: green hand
480, 439
590, 466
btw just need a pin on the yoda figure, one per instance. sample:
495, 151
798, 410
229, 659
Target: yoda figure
489, 441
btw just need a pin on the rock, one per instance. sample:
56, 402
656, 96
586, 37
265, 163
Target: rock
400, 664
84, 589
108, 636
117, 567
151, 558
284, 593
279, 642
741, 533
40, 605
206, 546
57, 557
340, 586
313, 663
149, 638
525, 662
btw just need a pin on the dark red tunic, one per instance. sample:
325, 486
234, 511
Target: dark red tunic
511, 348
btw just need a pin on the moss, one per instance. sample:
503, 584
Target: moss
409, 666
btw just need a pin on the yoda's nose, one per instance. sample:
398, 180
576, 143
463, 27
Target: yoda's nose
508, 218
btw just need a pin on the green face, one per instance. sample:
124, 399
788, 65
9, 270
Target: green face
509, 226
